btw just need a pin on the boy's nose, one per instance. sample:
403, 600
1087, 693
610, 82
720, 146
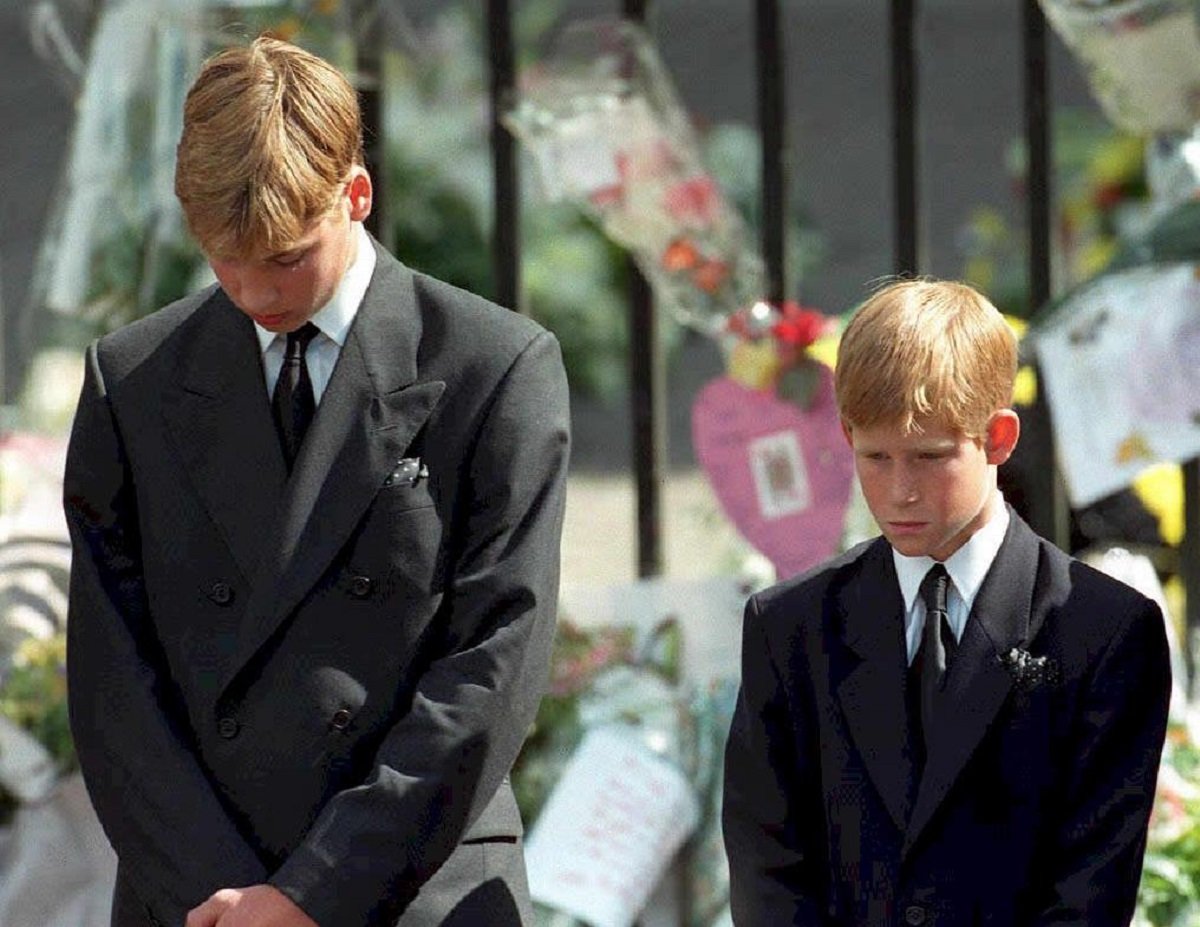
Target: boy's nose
255, 296
904, 489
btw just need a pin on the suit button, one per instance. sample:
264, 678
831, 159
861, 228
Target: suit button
360, 586
341, 719
221, 593
228, 728
915, 915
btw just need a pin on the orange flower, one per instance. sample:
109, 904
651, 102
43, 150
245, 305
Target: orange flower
693, 201
710, 275
680, 255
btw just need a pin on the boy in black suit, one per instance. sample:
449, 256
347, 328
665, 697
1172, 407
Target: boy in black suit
955, 723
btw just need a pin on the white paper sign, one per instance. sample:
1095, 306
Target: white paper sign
1121, 368
609, 830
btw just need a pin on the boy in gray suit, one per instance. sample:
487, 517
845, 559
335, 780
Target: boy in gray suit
315, 511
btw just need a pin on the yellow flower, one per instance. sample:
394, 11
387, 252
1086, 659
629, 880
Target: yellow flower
1161, 490
327, 7
1095, 256
755, 364
1117, 160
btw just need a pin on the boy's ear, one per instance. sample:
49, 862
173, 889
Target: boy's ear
1003, 430
360, 193
846, 432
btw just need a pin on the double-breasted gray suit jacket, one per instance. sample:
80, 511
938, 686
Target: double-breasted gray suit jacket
319, 681
1033, 805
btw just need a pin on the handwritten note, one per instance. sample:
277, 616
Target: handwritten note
609, 829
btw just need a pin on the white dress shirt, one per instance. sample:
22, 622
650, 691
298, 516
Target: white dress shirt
333, 319
967, 567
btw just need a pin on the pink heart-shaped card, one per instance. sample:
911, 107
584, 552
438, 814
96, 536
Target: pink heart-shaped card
782, 473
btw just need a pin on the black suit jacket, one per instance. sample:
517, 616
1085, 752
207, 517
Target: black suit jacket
319, 681
1034, 803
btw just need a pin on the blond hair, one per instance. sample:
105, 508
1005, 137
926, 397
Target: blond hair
925, 349
270, 135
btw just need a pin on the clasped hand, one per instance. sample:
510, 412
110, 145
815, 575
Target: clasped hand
253, 906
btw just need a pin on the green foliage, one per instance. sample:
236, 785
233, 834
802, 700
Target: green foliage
1169, 895
34, 696
575, 284
436, 225
131, 276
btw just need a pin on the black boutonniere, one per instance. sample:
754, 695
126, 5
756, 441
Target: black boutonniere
1030, 672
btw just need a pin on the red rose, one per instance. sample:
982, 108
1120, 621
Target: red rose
798, 327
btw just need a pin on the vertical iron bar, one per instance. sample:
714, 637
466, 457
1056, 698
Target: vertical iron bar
1189, 570
647, 387
371, 83
506, 228
1048, 511
1037, 141
773, 135
904, 135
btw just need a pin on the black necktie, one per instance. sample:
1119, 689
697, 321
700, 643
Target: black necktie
293, 403
936, 649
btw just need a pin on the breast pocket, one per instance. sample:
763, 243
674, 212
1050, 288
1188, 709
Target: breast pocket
399, 552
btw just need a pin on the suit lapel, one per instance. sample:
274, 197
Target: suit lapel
871, 689
367, 417
219, 418
978, 682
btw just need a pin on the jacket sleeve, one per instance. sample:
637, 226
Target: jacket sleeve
158, 807
772, 878
1094, 864
373, 846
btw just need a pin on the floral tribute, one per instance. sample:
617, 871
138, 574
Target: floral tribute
601, 118
768, 348
609, 675
1169, 895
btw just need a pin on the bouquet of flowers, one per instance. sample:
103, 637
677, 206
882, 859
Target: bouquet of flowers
1142, 58
767, 348
601, 117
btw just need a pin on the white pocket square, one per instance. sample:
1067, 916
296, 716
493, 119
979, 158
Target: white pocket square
408, 470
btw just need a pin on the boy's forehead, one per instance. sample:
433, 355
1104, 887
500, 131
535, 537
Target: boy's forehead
254, 252
921, 432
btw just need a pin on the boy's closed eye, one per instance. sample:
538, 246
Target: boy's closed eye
290, 259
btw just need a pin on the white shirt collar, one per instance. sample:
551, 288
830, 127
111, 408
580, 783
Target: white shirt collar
336, 316
967, 566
